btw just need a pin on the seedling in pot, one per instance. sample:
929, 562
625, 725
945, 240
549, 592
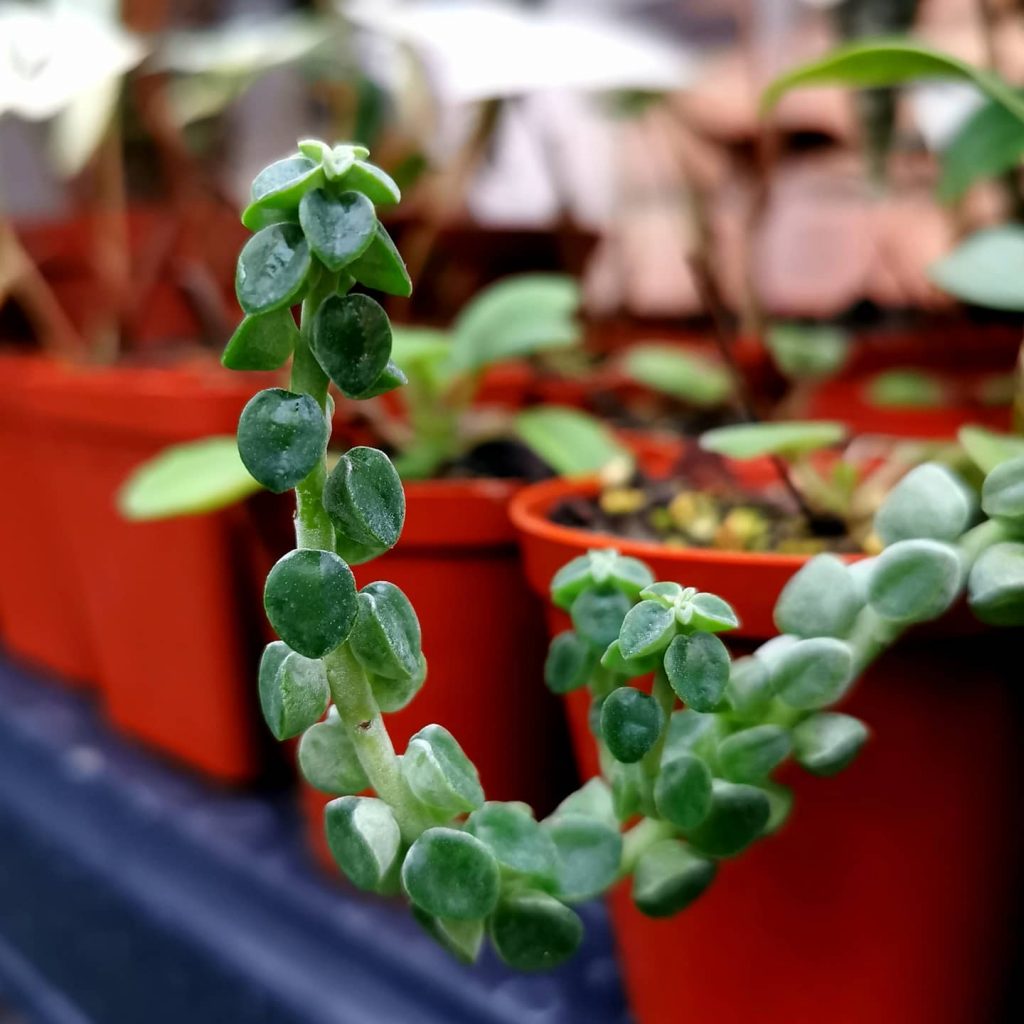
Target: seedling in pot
688, 767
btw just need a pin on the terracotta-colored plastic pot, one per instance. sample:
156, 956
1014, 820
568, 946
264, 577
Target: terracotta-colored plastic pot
42, 609
484, 639
887, 896
165, 602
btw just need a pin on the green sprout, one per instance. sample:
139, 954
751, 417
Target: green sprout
686, 768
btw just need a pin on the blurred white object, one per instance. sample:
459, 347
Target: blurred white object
941, 109
65, 59
478, 50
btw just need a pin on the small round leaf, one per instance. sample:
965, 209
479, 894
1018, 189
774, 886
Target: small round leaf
364, 839
451, 874
272, 269
631, 722
440, 774
518, 842
263, 341
682, 790
279, 187
463, 939
597, 615
669, 877
915, 580
811, 673
697, 667
375, 184
1002, 495
281, 437
738, 815
533, 931
647, 628
395, 694
296, 697
603, 568
310, 599
750, 688
750, 754
351, 340
338, 228
822, 599
328, 760
589, 855
930, 501
381, 267
826, 743
364, 498
996, 585
386, 634
569, 663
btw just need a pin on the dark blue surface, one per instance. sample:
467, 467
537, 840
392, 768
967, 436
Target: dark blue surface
131, 892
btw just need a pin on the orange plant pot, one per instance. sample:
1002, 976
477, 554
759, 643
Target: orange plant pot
165, 602
42, 607
851, 912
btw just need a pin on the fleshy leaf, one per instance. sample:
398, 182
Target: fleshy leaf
682, 790
996, 585
750, 688
280, 187
296, 697
789, 439
647, 628
281, 437
987, 448
812, 673
463, 939
915, 580
631, 722
351, 340
1002, 495
451, 874
570, 441
697, 667
364, 839
589, 854
738, 815
533, 931
339, 229
377, 185
821, 599
439, 773
570, 662
518, 842
826, 743
750, 754
985, 269
272, 269
381, 267
364, 498
310, 598
598, 568
930, 501
386, 635
328, 760
597, 615
683, 375
668, 877
263, 341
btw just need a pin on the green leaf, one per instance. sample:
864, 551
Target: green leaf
915, 580
691, 731
390, 377
451, 874
647, 628
514, 318
264, 341
328, 759
386, 635
613, 661
821, 599
280, 187
710, 614
377, 185
812, 673
270, 661
570, 441
272, 269
592, 800
750, 754
906, 389
738, 815
310, 599
780, 806
187, 479
351, 340
364, 839
826, 743
790, 439
683, 375
682, 790
697, 667
463, 939
355, 553
395, 694
808, 351
750, 688
598, 615
930, 501
364, 498
589, 855
1002, 495
601, 567
668, 877
381, 267
296, 697
986, 269
990, 143
282, 436
630, 788
439, 773
570, 663
339, 229
987, 448
996, 585
518, 842
631, 722
887, 62
533, 931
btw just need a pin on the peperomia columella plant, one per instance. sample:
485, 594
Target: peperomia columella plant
686, 769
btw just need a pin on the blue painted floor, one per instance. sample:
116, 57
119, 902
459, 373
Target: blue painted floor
134, 893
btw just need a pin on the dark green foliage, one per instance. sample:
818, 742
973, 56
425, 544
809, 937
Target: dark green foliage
281, 437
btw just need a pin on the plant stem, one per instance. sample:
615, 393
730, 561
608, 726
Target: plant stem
358, 710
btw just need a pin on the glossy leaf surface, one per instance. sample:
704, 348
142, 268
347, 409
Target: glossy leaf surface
351, 340
364, 839
365, 499
282, 436
338, 228
272, 269
386, 634
381, 267
631, 722
263, 341
647, 628
439, 773
295, 697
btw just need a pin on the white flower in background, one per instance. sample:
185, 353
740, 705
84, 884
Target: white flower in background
65, 60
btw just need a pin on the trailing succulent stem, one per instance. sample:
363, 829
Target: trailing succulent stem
687, 768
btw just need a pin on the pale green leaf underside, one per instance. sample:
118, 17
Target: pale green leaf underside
571, 442
751, 440
986, 269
